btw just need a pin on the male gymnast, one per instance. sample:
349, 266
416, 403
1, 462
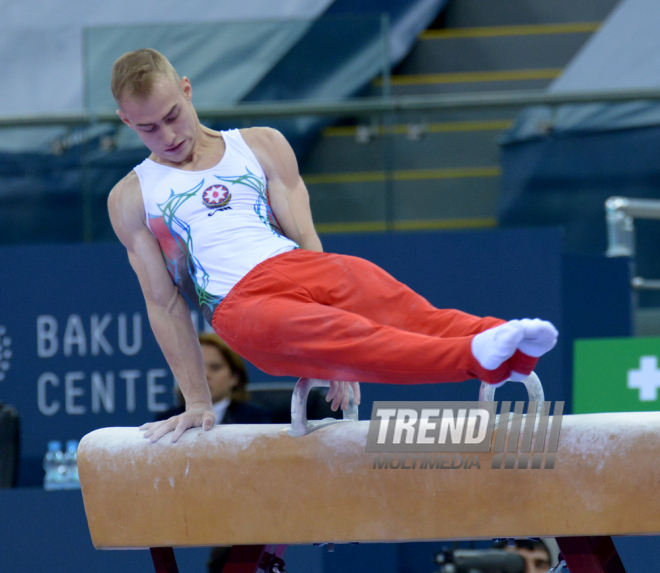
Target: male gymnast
224, 217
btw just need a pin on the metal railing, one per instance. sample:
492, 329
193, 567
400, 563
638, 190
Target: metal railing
373, 116
621, 213
358, 106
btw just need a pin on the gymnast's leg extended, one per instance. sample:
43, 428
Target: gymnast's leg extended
343, 318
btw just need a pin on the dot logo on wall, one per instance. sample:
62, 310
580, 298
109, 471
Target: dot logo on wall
5, 352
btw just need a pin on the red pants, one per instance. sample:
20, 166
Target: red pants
335, 317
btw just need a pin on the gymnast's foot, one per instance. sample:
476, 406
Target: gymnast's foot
533, 337
495, 345
540, 336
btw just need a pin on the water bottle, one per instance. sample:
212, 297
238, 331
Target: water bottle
54, 466
71, 479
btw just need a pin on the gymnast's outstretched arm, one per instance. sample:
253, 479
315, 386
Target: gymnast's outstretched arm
168, 312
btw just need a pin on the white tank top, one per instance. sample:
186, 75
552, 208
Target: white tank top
213, 226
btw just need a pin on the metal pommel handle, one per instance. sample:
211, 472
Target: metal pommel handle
532, 383
300, 425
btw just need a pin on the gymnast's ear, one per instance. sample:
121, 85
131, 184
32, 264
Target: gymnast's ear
124, 118
186, 88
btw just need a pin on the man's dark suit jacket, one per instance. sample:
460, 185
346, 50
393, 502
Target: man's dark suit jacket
237, 413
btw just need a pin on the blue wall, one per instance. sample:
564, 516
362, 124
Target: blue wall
565, 178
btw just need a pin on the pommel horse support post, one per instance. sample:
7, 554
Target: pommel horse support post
258, 488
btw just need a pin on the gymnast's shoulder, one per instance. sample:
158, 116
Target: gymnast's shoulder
128, 187
263, 139
125, 205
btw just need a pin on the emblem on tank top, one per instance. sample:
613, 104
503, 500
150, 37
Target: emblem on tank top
216, 197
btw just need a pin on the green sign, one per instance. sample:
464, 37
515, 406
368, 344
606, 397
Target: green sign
616, 375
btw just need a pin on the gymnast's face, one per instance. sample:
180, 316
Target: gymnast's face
165, 120
218, 373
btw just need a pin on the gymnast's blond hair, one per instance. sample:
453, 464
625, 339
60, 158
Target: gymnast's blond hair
135, 73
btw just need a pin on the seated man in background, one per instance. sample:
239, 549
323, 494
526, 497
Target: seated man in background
534, 551
227, 378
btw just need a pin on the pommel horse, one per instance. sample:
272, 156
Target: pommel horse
260, 488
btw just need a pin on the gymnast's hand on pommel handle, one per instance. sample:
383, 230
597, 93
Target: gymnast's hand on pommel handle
197, 415
339, 393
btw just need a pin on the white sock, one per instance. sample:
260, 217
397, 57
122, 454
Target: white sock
540, 336
495, 345
517, 376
